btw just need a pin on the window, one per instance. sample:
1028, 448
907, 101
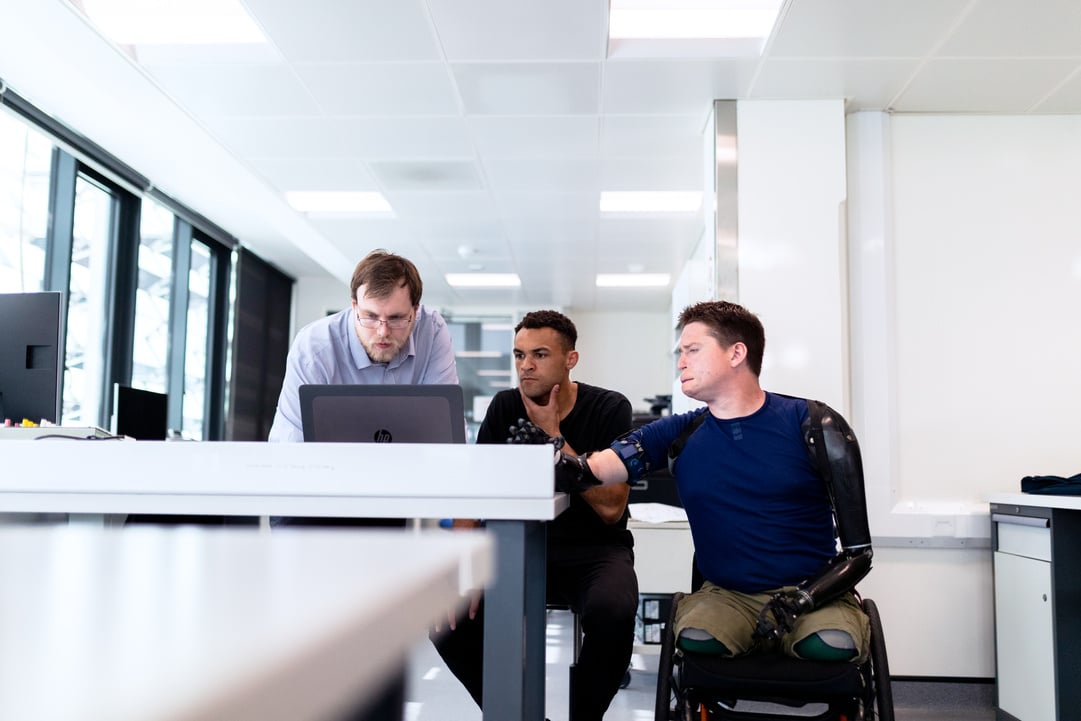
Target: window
24, 205
150, 350
84, 352
200, 277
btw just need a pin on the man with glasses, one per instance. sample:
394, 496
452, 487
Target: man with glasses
385, 337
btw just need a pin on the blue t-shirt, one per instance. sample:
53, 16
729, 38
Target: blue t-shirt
759, 514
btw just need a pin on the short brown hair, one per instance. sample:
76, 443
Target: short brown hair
553, 319
729, 323
382, 273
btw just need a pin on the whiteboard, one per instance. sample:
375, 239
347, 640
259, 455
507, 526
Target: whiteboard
982, 273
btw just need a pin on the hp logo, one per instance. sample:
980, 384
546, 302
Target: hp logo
382, 436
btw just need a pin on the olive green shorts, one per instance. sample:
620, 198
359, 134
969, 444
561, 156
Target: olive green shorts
731, 616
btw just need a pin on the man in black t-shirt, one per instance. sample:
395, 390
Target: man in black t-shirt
590, 556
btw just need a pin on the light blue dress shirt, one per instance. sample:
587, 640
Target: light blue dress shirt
328, 351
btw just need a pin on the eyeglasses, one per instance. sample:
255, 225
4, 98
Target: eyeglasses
394, 323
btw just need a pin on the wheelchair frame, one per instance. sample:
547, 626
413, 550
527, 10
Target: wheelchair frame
850, 692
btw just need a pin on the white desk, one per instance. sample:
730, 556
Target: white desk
1037, 544
188, 624
511, 486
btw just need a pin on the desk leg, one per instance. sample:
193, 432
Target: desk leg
514, 623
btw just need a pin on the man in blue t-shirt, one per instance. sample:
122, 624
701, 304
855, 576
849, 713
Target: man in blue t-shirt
769, 482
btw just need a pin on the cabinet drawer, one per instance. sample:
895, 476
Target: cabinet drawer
1024, 540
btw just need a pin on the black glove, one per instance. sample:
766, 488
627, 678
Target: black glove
573, 474
527, 433
780, 613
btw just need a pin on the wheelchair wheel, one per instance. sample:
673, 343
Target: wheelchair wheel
666, 708
880, 667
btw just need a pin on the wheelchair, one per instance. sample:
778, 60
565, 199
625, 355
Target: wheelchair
758, 687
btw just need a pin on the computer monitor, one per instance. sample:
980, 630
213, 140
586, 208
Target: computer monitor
382, 413
140, 414
31, 365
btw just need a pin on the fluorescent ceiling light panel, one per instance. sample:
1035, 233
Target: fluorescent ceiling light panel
633, 280
479, 354
650, 202
493, 373
338, 202
691, 19
483, 280
173, 22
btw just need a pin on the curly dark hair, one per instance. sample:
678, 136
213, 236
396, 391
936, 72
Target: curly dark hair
553, 319
382, 273
729, 323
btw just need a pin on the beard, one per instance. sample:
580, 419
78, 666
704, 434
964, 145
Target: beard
381, 355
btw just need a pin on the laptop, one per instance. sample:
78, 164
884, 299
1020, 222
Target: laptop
382, 413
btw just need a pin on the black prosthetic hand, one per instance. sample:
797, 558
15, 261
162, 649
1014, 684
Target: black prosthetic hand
780, 613
573, 474
527, 433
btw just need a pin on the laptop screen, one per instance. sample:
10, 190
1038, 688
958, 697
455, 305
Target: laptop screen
382, 413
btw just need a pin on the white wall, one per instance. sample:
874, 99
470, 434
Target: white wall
627, 352
314, 296
791, 251
966, 287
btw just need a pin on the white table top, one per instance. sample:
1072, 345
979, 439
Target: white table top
1037, 500
188, 624
280, 479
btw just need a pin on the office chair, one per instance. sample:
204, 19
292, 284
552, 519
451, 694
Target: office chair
710, 688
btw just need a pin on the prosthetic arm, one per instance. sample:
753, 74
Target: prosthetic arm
836, 454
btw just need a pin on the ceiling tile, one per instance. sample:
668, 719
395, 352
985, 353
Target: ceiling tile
526, 207
533, 136
354, 31
374, 138
846, 29
449, 175
680, 87
235, 89
870, 83
328, 174
995, 86
440, 205
381, 88
544, 174
520, 30
679, 173
1008, 28
1064, 99
647, 135
529, 88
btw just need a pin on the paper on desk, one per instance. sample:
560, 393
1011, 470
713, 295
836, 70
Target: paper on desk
656, 512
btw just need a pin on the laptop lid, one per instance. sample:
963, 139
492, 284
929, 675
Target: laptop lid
382, 413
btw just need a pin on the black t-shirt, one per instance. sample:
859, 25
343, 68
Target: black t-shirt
599, 417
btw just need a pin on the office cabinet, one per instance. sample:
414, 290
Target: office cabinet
1037, 589
663, 554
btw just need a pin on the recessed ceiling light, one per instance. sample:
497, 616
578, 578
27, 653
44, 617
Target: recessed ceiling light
319, 202
691, 19
483, 280
493, 373
173, 22
633, 280
650, 202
